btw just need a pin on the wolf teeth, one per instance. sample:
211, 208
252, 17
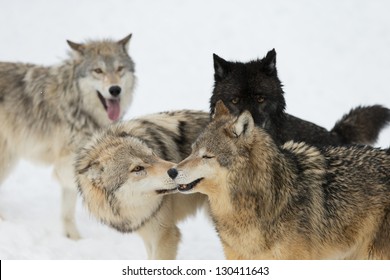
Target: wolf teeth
189, 186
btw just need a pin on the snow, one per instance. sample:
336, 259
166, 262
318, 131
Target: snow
331, 56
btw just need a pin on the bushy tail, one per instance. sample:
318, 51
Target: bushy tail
362, 124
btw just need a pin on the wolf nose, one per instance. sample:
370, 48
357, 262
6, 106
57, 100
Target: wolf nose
172, 173
115, 90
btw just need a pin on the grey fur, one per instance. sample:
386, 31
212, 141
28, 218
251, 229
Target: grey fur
48, 112
134, 201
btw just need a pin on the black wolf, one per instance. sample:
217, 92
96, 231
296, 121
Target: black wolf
255, 86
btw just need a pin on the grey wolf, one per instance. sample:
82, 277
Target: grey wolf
48, 112
294, 201
121, 176
255, 86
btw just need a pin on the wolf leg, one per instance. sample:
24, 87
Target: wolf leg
7, 160
63, 171
161, 240
230, 254
380, 248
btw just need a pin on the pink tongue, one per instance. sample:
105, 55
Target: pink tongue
113, 109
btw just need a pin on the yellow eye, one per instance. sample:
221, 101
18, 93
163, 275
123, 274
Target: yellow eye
137, 169
98, 70
260, 99
235, 100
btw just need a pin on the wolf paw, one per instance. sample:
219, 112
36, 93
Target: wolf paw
72, 233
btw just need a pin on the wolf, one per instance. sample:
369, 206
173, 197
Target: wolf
47, 112
293, 201
121, 177
255, 86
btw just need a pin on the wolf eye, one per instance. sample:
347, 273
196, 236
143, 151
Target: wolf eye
260, 99
235, 100
120, 68
207, 157
137, 169
98, 70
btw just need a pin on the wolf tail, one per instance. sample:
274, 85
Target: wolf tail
362, 124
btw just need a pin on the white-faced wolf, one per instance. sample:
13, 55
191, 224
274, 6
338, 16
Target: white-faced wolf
48, 112
294, 201
122, 178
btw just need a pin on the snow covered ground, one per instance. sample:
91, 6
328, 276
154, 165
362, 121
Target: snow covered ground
332, 55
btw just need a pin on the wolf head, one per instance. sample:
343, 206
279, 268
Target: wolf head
105, 75
121, 180
253, 87
224, 148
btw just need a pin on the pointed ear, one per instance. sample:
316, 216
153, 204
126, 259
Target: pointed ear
78, 48
244, 125
125, 42
269, 62
221, 67
220, 110
93, 171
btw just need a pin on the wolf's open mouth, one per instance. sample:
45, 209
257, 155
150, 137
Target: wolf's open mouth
166, 191
112, 106
184, 188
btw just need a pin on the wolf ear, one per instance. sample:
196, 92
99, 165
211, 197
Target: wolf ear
220, 110
125, 42
221, 67
93, 171
244, 125
79, 48
269, 62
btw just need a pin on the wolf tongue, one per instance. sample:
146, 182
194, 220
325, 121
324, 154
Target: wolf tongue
113, 109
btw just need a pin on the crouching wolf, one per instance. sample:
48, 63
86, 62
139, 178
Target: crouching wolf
255, 86
47, 112
289, 202
121, 176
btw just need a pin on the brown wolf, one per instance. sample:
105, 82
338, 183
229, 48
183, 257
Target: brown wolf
290, 202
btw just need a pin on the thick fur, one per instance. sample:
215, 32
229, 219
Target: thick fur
121, 174
255, 86
290, 202
48, 112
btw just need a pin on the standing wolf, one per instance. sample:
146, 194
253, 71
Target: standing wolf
289, 202
122, 178
255, 86
47, 112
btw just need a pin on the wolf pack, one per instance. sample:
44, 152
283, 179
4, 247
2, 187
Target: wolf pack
274, 186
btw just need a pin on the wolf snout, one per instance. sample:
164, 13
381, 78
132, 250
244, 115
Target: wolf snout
115, 90
172, 173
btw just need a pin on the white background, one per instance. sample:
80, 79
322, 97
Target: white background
113, 270
331, 56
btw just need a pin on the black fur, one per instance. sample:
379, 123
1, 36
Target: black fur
255, 86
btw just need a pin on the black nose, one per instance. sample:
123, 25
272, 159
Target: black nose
172, 173
114, 90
